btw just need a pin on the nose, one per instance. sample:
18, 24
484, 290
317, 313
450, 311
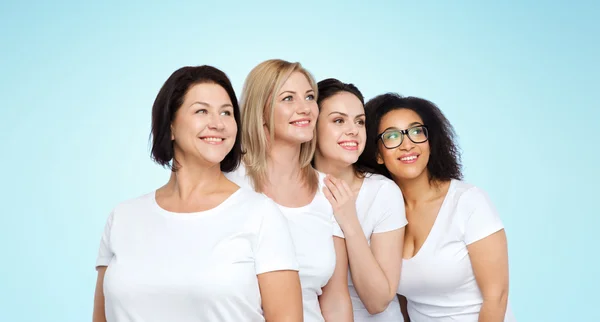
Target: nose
215, 122
407, 144
303, 107
352, 129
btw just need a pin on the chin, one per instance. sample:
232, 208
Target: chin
301, 139
403, 174
348, 159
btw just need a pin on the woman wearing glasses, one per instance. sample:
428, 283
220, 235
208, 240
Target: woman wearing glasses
455, 258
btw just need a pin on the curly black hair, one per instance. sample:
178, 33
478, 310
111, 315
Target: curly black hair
444, 161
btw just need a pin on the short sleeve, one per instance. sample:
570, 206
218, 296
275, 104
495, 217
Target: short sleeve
337, 230
275, 249
388, 208
483, 219
105, 253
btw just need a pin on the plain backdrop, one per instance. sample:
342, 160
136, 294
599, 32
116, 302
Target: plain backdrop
517, 79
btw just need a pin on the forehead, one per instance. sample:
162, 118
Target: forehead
296, 82
343, 102
399, 118
208, 93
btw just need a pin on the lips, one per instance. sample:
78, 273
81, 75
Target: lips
349, 145
409, 158
301, 123
212, 139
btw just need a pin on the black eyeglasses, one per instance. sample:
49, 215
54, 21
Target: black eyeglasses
393, 138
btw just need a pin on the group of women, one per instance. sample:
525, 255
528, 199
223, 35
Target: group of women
302, 203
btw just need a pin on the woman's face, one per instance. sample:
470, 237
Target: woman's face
204, 128
406, 160
341, 130
295, 110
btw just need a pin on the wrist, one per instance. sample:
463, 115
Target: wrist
351, 227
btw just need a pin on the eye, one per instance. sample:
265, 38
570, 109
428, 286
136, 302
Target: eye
226, 113
360, 122
310, 97
201, 111
416, 130
287, 98
391, 135
338, 121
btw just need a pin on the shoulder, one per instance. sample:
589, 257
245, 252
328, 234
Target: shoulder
381, 186
239, 177
136, 204
469, 197
250, 199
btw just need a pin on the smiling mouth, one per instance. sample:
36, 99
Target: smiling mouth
300, 123
349, 145
409, 159
212, 139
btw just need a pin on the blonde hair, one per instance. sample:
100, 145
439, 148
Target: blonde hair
257, 107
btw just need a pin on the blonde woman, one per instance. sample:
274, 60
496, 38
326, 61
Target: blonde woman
279, 113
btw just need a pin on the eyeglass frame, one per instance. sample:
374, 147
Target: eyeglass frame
404, 133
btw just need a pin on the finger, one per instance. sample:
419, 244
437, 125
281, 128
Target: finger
329, 197
343, 187
346, 187
335, 191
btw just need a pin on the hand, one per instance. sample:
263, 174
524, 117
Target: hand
342, 200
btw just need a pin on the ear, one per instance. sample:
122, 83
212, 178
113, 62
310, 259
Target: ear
379, 158
172, 133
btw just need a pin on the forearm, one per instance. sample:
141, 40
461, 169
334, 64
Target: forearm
98, 313
368, 278
493, 310
337, 310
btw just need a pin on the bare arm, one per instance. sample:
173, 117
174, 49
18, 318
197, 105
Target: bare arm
335, 301
489, 257
281, 296
376, 269
99, 315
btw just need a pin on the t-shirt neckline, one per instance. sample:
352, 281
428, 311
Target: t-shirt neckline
189, 215
435, 222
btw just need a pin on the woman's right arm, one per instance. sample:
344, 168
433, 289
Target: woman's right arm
281, 296
99, 315
277, 267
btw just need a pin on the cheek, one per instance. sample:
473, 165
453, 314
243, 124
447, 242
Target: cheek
315, 108
388, 156
326, 134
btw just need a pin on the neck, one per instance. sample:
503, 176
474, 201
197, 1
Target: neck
283, 162
193, 179
417, 190
340, 170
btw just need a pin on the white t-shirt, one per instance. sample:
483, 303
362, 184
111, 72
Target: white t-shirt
438, 281
191, 267
380, 209
313, 227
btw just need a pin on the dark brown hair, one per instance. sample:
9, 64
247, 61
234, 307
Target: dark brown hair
169, 100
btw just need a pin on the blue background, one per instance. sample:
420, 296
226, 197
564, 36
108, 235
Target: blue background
515, 78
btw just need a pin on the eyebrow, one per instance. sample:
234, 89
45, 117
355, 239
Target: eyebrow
292, 92
395, 128
346, 115
208, 105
